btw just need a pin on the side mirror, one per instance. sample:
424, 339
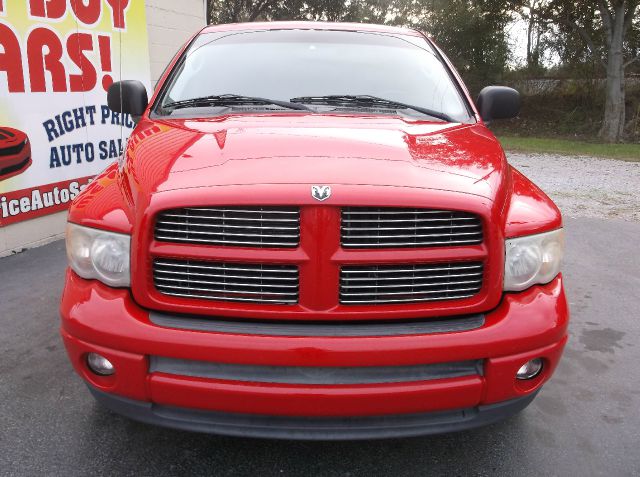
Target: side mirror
128, 96
498, 102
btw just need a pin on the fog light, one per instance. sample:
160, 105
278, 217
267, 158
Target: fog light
100, 365
530, 369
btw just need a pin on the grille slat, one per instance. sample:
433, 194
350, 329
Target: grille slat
417, 268
421, 292
160, 272
265, 283
219, 217
384, 227
223, 283
257, 227
227, 234
224, 267
220, 290
391, 221
389, 244
380, 284
417, 278
238, 243
405, 285
394, 211
208, 297
422, 227
241, 210
392, 301
413, 235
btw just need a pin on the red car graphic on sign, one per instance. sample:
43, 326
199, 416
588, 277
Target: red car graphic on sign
15, 152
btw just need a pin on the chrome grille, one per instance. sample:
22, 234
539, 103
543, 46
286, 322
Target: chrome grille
236, 226
381, 227
226, 281
378, 284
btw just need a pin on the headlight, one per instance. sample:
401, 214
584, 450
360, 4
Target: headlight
532, 259
98, 254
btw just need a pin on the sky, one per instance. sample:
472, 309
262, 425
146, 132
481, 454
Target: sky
517, 33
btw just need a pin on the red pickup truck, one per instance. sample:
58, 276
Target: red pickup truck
312, 234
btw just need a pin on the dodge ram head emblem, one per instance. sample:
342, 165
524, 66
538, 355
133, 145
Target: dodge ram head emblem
320, 192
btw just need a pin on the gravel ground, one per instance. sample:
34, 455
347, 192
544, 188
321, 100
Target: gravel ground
585, 186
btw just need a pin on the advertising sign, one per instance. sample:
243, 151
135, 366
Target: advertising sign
57, 60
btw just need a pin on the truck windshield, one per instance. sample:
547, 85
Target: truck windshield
322, 70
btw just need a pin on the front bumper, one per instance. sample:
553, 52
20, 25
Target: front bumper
314, 404
310, 428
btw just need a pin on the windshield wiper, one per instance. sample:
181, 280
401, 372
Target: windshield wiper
229, 100
367, 100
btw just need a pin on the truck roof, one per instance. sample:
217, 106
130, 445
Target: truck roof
310, 25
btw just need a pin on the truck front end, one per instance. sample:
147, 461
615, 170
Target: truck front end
346, 269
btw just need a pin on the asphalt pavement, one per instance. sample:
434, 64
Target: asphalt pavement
586, 420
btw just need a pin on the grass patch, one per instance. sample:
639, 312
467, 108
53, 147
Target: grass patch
625, 152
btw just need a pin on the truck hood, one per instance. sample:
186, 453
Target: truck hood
314, 149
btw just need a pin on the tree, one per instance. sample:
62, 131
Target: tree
233, 11
472, 32
605, 27
530, 13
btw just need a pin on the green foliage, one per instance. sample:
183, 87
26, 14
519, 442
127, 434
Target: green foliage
472, 33
625, 152
364, 11
579, 35
572, 110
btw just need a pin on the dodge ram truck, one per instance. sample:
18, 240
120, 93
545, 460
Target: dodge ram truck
312, 234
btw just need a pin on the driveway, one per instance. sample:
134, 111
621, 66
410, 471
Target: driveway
586, 421
585, 186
